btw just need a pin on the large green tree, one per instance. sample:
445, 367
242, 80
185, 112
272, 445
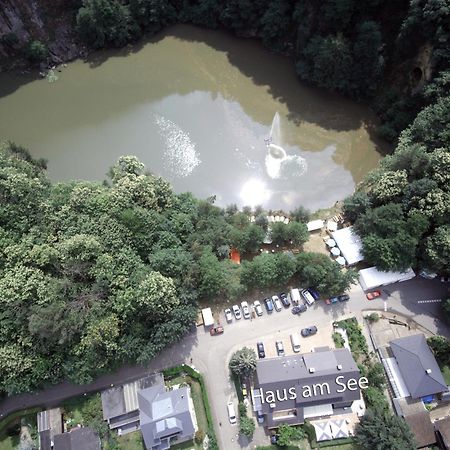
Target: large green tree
243, 362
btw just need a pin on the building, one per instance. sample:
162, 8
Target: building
294, 388
416, 373
349, 244
442, 428
49, 424
166, 417
120, 403
422, 428
78, 438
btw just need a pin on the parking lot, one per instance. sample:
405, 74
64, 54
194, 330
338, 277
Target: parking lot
323, 337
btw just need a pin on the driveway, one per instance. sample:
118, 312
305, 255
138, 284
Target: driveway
210, 354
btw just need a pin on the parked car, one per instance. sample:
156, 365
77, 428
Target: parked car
295, 296
231, 413
285, 300
344, 298
261, 351
299, 309
277, 303
245, 310
258, 308
372, 295
309, 331
314, 293
237, 312
216, 330
269, 305
309, 299
295, 342
228, 315
280, 348
331, 300
260, 416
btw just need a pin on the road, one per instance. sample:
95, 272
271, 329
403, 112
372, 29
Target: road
210, 355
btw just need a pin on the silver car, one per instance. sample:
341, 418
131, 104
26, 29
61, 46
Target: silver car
277, 303
228, 315
237, 312
245, 310
258, 308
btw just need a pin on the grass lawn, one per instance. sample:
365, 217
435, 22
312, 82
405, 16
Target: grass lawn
8, 442
343, 447
186, 446
196, 393
131, 441
446, 373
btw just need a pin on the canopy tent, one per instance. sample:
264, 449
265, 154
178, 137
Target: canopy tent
335, 251
323, 431
331, 225
339, 429
371, 278
349, 244
314, 225
340, 260
331, 243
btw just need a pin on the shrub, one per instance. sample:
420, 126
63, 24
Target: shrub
199, 436
374, 317
247, 426
242, 409
338, 340
36, 51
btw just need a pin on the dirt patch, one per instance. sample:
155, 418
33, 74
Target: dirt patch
316, 242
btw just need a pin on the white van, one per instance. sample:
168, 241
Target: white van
295, 341
309, 299
231, 413
295, 296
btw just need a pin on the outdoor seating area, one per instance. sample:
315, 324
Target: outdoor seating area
339, 427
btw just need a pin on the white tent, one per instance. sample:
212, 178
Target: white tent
371, 278
314, 225
208, 318
350, 245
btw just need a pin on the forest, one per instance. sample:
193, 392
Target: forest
94, 275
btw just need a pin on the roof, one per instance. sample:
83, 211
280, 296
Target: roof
45, 442
418, 366
371, 277
207, 317
349, 244
79, 438
443, 427
422, 428
121, 400
164, 414
314, 225
308, 369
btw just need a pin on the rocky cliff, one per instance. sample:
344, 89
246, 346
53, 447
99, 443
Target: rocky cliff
49, 21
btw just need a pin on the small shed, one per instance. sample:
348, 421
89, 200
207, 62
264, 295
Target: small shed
315, 225
208, 318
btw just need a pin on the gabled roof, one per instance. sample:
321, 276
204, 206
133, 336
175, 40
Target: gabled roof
79, 438
422, 428
418, 366
164, 414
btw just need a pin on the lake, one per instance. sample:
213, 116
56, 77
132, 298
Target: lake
211, 113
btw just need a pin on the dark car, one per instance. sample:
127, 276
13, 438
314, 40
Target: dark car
314, 293
261, 351
344, 298
269, 305
309, 331
299, 309
260, 416
285, 300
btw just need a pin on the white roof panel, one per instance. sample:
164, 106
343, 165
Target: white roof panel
314, 225
350, 245
372, 277
208, 319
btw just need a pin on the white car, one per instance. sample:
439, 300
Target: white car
231, 413
258, 308
237, 312
277, 303
309, 299
228, 315
245, 310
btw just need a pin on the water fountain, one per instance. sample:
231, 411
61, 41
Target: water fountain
277, 161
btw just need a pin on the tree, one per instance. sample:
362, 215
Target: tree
243, 362
356, 204
36, 51
103, 23
441, 348
446, 309
300, 214
437, 249
153, 15
246, 426
297, 233
380, 430
287, 433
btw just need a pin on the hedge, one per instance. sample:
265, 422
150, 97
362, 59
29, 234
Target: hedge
336, 442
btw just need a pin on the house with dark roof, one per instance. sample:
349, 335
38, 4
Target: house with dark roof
76, 439
417, 366
422, 428
166, 417
291, 389
49, 424
442, 427
120, 403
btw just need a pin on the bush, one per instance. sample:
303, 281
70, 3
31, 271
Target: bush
242, 409
247, 426
199, 436
338, 340
374, 317
36, 51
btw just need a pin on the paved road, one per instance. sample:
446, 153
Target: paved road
211, 354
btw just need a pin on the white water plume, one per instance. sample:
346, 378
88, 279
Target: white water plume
181, 157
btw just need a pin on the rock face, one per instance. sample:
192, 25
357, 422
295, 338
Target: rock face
49, 21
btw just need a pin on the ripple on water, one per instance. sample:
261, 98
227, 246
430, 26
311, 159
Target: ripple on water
180, 155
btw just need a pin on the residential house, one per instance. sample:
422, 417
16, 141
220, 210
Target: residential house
294, 388
76, 439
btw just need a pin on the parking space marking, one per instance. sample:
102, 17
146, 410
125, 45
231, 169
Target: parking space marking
437, 300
